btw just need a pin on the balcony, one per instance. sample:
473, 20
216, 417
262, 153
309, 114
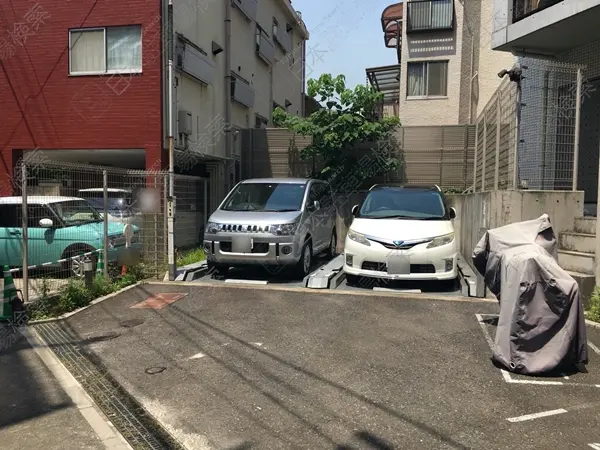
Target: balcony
242, 92
284, 38
247, 7
425, 16
545, 27
265, 49
191, 60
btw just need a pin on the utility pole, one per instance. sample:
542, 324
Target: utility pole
171, 197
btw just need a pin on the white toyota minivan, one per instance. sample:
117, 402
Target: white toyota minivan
402, 233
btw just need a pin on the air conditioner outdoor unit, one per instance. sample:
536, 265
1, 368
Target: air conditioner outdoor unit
185, 122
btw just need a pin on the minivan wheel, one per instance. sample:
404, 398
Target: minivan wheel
332, 250
305, 262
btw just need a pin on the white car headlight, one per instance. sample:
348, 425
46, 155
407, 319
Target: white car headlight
212, 228
285, 229
357, 237
441, 240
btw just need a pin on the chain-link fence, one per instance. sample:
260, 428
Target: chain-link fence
535, 124
67, 221
551, 103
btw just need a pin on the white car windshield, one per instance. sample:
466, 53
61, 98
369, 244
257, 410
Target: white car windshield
272, 197
402, 203
75, 212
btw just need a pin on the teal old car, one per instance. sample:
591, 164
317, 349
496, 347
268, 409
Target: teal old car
58, 230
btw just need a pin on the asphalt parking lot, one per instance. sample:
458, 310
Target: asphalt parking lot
236, 367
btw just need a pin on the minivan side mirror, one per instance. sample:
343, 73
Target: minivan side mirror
46, 223
452, 213
354, 210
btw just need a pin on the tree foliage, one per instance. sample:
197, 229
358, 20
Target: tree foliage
348, 118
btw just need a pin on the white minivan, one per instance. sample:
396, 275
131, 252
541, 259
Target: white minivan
120, 204
402, 233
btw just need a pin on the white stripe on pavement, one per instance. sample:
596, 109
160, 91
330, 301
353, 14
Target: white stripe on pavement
537, 415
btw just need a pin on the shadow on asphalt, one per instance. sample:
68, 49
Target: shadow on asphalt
274, 274
23, 396
203, 327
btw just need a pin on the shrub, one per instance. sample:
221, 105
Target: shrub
73, 296
593, 309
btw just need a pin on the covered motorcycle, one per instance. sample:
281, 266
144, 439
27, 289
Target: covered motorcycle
541, 327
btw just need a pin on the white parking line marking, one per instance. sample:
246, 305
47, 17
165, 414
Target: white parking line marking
197, 356
404, 291
595, 446
537, 415
593, 347
236, 281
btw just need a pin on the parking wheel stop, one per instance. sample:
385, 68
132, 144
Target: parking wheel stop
320, 279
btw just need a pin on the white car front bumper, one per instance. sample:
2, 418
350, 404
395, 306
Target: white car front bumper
438, 263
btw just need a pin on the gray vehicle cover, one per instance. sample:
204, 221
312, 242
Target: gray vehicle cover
541, 327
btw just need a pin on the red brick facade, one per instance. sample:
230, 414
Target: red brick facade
75, 112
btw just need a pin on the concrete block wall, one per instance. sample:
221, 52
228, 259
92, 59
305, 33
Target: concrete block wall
493, 209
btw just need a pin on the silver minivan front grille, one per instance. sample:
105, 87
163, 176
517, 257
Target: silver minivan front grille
245, 228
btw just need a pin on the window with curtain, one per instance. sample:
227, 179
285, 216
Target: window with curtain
427, 79
106, 50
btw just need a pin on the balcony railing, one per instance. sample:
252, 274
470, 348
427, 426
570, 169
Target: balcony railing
430, 15
525, 8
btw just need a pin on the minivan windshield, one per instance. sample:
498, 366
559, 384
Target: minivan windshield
273, 197
401, 203
118, 207
75, 212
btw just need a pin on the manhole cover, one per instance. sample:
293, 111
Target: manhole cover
155, 370
101, 336
131, 323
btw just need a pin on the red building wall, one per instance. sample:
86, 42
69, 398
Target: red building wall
43, 107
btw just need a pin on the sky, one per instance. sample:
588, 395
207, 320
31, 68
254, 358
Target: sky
345, 37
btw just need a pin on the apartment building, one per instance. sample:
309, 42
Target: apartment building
563, 32
446, 70
89, 81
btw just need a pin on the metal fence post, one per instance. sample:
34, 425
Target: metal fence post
577, 125
24, 224
484, 153
105, 211
205, 203
475, 157
515, 174
498, 129
166, 220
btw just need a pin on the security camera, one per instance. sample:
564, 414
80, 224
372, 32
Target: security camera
502, 73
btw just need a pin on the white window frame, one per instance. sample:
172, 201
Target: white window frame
427, 96
106, 71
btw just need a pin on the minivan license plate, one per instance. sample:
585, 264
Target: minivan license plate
241, 244
398, 265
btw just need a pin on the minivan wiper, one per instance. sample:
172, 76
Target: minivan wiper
395, 216
280, 210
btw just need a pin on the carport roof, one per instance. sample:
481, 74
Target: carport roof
386, 79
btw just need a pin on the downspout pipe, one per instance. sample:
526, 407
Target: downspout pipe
227, 78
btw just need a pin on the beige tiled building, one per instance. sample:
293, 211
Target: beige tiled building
447, 70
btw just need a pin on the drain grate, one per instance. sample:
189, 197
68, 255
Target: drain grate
127, 415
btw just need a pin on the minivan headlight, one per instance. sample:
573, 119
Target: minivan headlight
441, 240
285, 229
212, 228
357, 237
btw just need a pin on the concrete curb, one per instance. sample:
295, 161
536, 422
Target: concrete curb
107, 433
93, 302
591, 323
272, 287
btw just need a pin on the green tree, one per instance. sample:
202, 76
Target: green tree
348, 118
